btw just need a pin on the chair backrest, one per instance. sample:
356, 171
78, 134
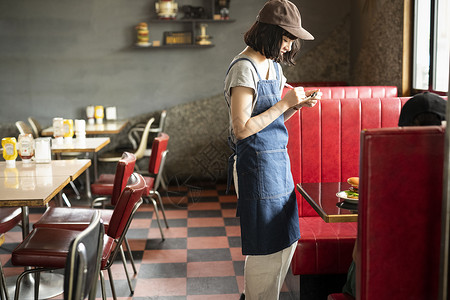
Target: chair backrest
140, 151
399, 219
347, 92
158, 157
36, 126
162, 123
124, 169
158, 147
24, 128
129, 200
83, 261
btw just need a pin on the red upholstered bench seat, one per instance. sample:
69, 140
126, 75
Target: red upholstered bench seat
324, 147
331, 242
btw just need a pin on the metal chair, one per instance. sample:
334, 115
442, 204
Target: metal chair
24, 128
109, 186
155, 168
35, 126
115, 155
51, 244
3, 288
83, 262
134, 135
10, 217
48, 249
128, 204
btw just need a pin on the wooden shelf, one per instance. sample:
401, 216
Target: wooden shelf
184, 23
191, 21
181, 46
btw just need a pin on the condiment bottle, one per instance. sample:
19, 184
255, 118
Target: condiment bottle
99, 114
68, 130
58, 130
9, 145
25, 147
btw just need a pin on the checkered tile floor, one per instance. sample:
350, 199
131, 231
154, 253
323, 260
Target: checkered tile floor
200, 258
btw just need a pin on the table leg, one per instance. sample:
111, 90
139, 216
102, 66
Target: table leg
94, 158
25, 222
88, 184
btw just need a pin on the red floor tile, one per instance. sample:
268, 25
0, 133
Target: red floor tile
207, 242
210, 269
159, 287
205, 222
165, 256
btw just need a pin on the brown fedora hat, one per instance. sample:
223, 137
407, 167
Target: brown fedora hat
286, 15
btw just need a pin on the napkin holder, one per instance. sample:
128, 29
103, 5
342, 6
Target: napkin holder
43, 151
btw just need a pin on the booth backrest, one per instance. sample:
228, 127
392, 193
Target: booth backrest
399, 213
319, 83
324, 140
344, 92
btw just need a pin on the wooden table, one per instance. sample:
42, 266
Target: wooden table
322, 197
88, 145
32, 184
35, 184
109, 127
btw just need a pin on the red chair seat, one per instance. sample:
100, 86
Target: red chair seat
44, 247
340, 296
103, 185
9, 218
323, 247
72, 218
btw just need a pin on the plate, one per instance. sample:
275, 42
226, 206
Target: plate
343, 195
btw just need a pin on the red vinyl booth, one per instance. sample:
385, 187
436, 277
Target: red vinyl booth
324, 147
399, 219
399, 214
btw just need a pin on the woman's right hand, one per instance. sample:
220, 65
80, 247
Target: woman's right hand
294, 96
309, 99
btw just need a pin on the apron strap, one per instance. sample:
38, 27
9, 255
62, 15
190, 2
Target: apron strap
275, 64
230, 165
243, 58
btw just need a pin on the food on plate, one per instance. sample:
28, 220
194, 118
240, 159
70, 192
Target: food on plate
352, 192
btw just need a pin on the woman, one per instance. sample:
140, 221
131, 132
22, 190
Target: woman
267, 205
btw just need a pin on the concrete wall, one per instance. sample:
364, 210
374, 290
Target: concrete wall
377, 42
58, 56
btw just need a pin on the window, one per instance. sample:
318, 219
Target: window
431, 45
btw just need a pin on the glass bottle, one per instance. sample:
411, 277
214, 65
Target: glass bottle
90, 113
58, 129
99, 114
25, 147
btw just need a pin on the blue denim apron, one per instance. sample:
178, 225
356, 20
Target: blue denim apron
267, 204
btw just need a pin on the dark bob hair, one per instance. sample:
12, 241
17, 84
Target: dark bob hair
267, 38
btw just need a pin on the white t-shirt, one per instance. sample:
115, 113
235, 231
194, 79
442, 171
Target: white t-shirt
244, 74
